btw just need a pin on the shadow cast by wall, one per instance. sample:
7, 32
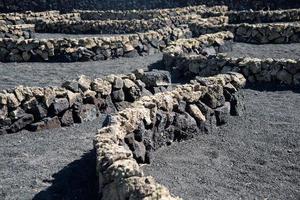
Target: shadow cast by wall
76, 181
272, 87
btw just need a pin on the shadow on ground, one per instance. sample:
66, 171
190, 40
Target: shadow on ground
272, 87
75, 181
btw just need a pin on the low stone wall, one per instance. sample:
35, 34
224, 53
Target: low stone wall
270, 16
204, 44
33, 17
76, 101
134, 133
286, 71
147, 14
24, 31
67, 5
83, 49
254, 33
120, 26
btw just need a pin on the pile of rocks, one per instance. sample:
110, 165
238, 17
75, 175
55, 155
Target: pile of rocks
84, 49
24, 31
131, 135
147, 14
261, 16
121, 26
32, 17
254, 33
76, 101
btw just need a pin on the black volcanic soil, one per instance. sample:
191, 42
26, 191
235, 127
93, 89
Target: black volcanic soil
255, 156
57, 164
45, 74
278, 51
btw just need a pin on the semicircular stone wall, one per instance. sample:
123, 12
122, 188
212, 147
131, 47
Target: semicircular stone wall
130, 136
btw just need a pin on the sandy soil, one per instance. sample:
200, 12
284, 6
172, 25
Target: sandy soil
255, 156
45, 74
266, 50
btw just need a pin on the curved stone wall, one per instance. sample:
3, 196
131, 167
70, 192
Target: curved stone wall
120, 26
147, 14
131, 135
24, 31
76, 101
67, 5
83, 49
253, 33
33, 17
270, 16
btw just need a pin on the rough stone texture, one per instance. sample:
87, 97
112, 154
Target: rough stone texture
261, 16
39, 5
24, 31
33, 17
277, 33
131, 135
120, 26
84, 49
147, 14
254, 69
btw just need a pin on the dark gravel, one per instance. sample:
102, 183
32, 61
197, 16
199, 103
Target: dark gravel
266, 50
56, 164
45, 74
255, 156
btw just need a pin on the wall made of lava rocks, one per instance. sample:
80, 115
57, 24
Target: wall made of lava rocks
84, 49
131, 136
67, 5
76, 101
273, 33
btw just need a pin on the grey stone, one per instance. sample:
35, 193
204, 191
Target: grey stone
67, 118
118, 96
222, 114
59, 105
21, 123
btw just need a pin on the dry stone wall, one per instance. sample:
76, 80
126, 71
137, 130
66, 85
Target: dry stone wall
284, 71
270, 16
67, 5
131, 135
76, 101
120, 26
24, 31
33, 17
147, 14
254, 33
83, 49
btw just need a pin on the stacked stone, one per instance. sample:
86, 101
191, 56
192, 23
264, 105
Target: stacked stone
83, 49
175, 54
154, 121
285, 71
148, 14
32, 17
76, 101
25, 31
121, 26
254, 33
270, 16
67, 5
